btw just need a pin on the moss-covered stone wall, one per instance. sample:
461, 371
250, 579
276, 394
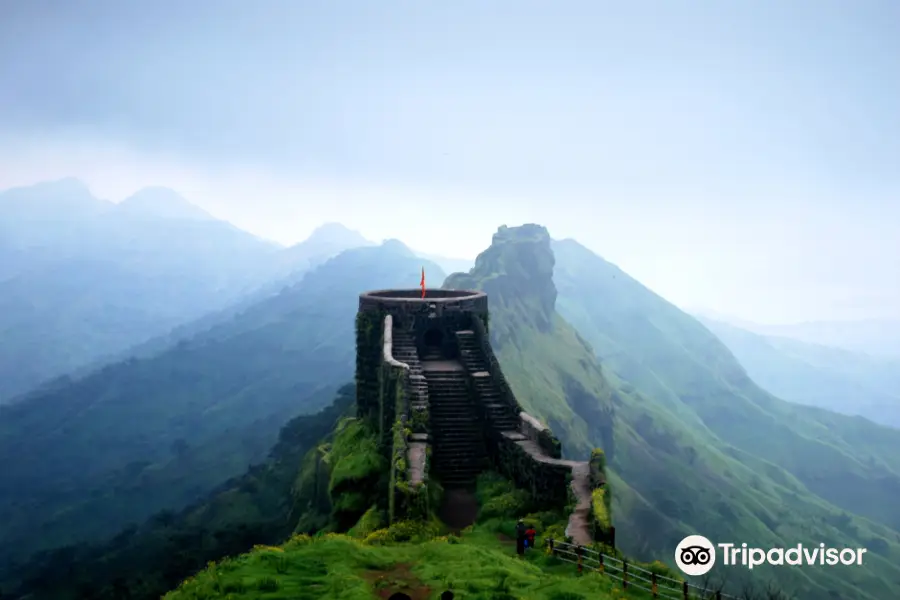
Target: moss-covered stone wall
547, 482
369, 332
541, 435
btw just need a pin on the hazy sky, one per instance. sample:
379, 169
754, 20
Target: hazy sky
742, 156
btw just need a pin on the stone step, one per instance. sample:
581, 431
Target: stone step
457, 454
466, 463
504, 425
459, 475
457, 435
455, 451
456, 424
447, 417
459, 470
451, 424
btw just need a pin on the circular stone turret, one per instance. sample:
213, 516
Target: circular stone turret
406, 303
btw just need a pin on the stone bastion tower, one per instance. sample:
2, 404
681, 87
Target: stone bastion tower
426, 374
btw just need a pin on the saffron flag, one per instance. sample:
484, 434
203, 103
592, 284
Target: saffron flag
423, 282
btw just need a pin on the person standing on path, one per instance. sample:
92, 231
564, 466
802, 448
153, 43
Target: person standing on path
529, 536
520, 537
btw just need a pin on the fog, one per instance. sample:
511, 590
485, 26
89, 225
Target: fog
741, 158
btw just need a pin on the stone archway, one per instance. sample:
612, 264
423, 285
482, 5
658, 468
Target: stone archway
400, 596
433, 338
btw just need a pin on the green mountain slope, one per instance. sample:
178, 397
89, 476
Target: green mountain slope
831, 378
147, 561
754, 468
157, 432
673, 473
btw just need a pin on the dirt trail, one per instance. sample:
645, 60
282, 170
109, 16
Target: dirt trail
398, 582
579, 521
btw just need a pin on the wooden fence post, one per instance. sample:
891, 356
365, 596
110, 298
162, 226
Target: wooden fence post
624, 574
719, 595
684, 589
579, 551
600, 568
654, 586
552, 550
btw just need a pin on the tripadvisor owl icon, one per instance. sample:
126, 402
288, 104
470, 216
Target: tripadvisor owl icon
695, 555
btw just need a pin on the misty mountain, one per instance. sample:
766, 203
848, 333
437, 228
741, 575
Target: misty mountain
839, 380
700, 447
158, 432
326, 241
449, 265
877, 337
84, 279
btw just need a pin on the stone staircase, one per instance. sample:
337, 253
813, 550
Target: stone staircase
501, 415
458, 449
404, 350
432, 353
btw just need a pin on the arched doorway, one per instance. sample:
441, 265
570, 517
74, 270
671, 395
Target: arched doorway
433, 338
399, 596
432, 344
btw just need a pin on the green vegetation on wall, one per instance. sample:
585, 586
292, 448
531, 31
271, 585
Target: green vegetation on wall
601, 499
356, 472
369, 338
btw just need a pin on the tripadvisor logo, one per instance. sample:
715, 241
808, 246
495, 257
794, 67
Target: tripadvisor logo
695, 555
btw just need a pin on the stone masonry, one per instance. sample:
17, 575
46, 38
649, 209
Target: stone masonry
439, 381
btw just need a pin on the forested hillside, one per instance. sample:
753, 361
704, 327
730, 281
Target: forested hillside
82, 278
112, 448
146, 561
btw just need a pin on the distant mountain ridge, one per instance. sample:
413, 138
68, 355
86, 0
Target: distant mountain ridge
831, 378
161, 203
876, 337
84, 279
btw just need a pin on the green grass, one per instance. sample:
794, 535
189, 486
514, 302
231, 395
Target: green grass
475, 565
418, 558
